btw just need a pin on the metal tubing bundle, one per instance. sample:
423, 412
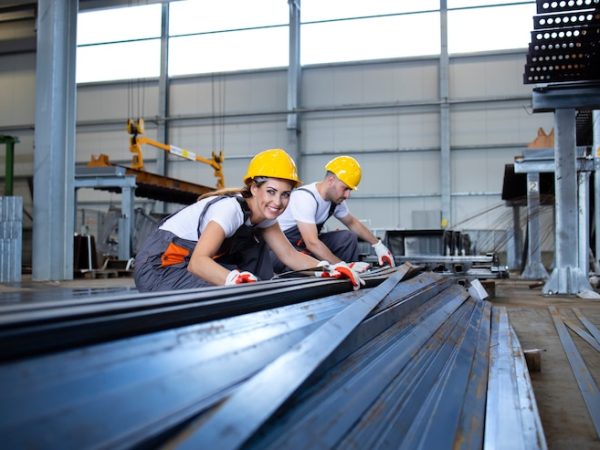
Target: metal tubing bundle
404, 364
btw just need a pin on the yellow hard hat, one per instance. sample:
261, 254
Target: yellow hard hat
272, 163
347, 169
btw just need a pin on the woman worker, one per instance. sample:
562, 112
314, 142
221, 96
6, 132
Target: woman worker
220, 240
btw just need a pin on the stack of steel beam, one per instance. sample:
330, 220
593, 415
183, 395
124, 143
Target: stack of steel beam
403, 364
33, 328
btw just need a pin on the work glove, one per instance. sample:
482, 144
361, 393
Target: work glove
236, 277
359, 266
338, 271
384, 256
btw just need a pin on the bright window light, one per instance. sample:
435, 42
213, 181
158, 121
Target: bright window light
200, 16
366, 39
486, 29
313, 10
118, 24
239, 50
138, 59
199, 43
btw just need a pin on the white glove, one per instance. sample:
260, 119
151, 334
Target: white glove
359, 266
237, 277
327, 269
340, 270
384, 256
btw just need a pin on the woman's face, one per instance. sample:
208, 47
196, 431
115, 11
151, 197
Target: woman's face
272, 197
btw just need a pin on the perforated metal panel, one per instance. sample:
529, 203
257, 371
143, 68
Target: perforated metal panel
565, 42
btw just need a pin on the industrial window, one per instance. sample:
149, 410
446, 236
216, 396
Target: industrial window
188, 17
349, 30
118, 43
121, 61
489, 28
373, 38
240, 50
317, 10
227, 35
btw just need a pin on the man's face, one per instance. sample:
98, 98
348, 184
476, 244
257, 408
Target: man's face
337, 190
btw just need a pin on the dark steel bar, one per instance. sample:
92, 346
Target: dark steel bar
582, 334
441, 411
246, 410
585, 381
26, 313
352, 360
531, 424
135, 391
401, 400
589, 325
473, 409
388, 313
512, 420
25, 337
361, 379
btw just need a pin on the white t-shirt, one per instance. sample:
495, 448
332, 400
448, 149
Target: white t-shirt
227, 213
303, 208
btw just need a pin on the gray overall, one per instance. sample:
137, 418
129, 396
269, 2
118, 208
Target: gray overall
162, 262
342, 243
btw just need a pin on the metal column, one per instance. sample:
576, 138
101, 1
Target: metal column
444, 118
534, 270
9, 163
126, 222
514, 244
596, 152
163, 92
55, 113
162, 159
567, 277
293, 82
583, 195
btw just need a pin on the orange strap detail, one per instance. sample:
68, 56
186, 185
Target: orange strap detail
174, 254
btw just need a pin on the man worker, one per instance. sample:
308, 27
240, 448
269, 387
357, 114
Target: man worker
312, 205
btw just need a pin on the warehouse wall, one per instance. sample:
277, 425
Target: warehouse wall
384, 113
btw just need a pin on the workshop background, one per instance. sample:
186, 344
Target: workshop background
433, 131
477, 126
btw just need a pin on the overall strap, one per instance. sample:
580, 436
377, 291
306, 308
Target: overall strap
208, 205
245, 208
332, 206
242, 202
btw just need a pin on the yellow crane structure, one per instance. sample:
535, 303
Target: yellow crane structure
137, 139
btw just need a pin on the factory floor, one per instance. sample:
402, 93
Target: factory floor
565, 419
566, 422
